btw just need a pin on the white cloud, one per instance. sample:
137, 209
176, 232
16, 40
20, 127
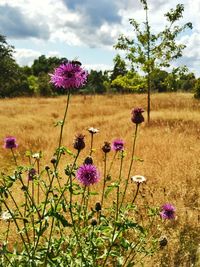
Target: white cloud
26, 56
98, 67
92, 23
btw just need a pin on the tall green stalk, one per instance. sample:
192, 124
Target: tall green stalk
131, 164
61, 129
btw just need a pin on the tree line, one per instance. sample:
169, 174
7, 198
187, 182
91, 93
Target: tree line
33, 80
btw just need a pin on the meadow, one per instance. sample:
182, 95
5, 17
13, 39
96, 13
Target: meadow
169, 149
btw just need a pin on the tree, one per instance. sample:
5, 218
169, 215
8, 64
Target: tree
45, 65
147, 51
158, 78
197, 89
95, 83
131, 82
13, 82
119, 67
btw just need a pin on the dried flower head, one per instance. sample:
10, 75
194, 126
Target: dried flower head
139, 179
53, 160
163, 241
10, 142
98, 206
137, 116
69, 75
79, 142
93, 222
118, 145
87, 174
31, 174
167, 211
93, 130
36, 155
6, 216
88, 160
106, 147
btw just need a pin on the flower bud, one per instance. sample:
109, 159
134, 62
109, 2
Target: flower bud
163, 241
53, 160
47, 167
98, 206
137, 116
93, 222
107, 147
31, 174
79, 142
88, 160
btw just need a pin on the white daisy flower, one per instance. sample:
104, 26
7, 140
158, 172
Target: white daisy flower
6, 216
93, 130
139, 179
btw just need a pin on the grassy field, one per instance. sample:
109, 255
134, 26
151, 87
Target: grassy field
169, 147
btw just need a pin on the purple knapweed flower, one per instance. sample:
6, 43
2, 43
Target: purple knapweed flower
87, 174
118, 145
137, 116
167, 211
31, 174
69, 75
10, 142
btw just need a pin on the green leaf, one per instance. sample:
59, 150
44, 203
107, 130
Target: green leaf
58, 123
110, 188
60, 218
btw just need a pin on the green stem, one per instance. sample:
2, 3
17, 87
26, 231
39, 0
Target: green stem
138, 186
61, 195
104, 179
131, 164
44, 208
18, 229
31, 200
119, 181
61, 130
86, 205
111, 244
112, 162
8, 260
38, 186
10, 194
7, 232
14, 157
91, 144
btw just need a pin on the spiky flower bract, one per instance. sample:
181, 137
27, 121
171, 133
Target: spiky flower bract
137, 116
106, 147
118, 145
167, 211
79, 142
31, 174
69, 75
87, 174
10, 142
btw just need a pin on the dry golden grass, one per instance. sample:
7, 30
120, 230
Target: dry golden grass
169, 146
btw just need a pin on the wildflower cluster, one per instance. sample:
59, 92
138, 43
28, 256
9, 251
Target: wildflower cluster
63, 221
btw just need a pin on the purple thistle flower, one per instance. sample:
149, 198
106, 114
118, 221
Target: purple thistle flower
69, 75
167, 211
10, 142
87, 174
137, 116
118, 145
31, 174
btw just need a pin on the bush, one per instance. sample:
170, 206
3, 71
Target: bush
197, 89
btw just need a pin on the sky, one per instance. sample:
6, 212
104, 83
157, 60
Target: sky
88, 29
